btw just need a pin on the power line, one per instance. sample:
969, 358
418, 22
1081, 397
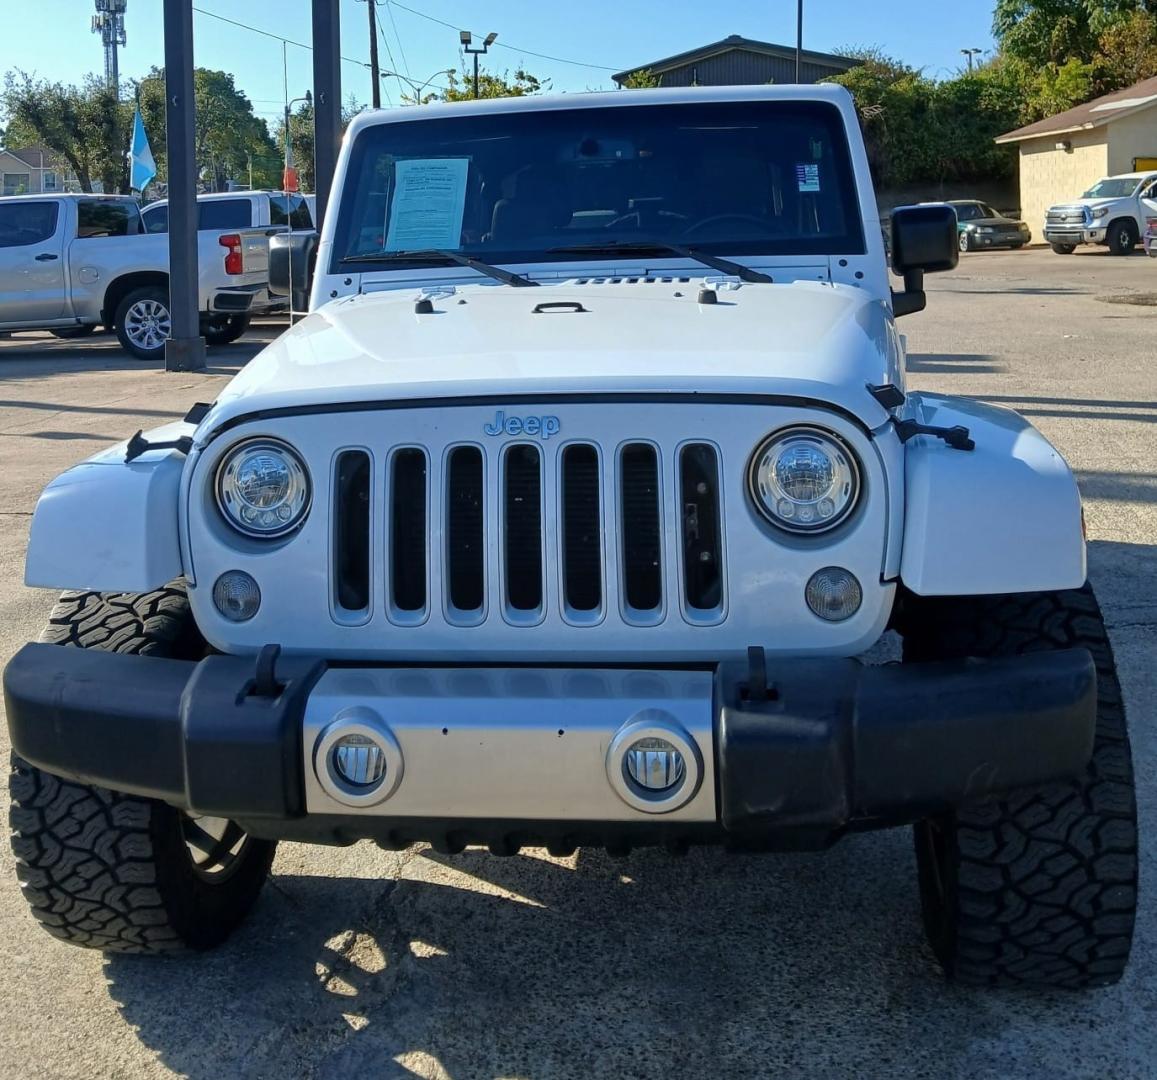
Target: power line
401, 47
269, 34
504, 45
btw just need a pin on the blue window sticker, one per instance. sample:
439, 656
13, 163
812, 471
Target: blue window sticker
807, 175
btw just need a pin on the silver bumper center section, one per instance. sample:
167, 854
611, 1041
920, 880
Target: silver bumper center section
503, 743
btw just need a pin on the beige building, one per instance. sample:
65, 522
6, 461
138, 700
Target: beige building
1063, 156
32, 170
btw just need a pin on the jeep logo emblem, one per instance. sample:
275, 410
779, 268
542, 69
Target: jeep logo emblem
542, 426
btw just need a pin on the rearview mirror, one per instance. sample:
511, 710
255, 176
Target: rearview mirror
923, 242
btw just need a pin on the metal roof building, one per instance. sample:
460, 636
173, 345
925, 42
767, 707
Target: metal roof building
740, 61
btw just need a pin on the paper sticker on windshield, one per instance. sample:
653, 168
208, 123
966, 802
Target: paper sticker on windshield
807, 175
429, 199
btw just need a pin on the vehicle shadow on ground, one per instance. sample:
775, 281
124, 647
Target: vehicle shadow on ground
712, 965
650, 966
953, 364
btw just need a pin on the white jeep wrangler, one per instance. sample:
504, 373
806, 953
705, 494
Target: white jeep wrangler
562, 520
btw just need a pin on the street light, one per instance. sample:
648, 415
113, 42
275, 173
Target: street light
466, 37
415, 87
970, 53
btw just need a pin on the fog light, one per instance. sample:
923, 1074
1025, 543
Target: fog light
359, 761
654, 764
834, 594
236, 596
356, 759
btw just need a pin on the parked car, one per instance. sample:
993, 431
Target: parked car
1151, 237
980, 226
554, 527
1114, 212
240, 210
71, 263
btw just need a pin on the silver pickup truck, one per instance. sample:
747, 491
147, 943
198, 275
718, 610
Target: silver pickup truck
71, 263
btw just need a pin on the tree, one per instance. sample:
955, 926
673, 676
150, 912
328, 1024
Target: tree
229, 141
920, 131
301, 138
86, 126
1126, 52
490, 85
645, 79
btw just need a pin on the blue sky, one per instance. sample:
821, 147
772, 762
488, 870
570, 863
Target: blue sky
51, 38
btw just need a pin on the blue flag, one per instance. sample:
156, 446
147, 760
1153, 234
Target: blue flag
144, 168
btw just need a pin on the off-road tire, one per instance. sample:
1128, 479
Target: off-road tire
224, 330
1121, 237
111, 871
1038, 887
1063, 249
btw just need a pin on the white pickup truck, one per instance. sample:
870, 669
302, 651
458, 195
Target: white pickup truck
240, 210
1115, 211
71, 263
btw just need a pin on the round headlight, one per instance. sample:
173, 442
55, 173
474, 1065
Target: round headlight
262, 488
804, 480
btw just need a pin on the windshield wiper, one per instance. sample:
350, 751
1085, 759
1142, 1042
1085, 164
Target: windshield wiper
642, 247
437, 254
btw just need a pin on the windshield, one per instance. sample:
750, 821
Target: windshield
1113, 188
723, 177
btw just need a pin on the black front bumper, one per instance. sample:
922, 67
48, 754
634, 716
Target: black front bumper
830, 745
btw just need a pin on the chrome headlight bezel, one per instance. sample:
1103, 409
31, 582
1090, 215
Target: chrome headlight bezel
228, 500
847, 468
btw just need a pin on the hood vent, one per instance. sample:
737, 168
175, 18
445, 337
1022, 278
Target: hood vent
629, 281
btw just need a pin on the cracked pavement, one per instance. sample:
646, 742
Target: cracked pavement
364, 962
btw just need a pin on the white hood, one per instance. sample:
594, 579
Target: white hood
804, 339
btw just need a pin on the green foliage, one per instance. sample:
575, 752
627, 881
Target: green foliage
301, 139
460, 86
642, 80
86, 126
228, 139
919, 131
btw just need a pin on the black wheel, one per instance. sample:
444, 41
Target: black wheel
1063, 249
1038, 887
69, 333
117, 872
1122, 237
224, 329
964, 241
144, 323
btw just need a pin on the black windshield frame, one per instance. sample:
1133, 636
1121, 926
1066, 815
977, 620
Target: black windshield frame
377, 146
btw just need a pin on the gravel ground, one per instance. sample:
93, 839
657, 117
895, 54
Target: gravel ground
358, 961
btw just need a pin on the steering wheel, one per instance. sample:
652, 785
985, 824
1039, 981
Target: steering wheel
747, 219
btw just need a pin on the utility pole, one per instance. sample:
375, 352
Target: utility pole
185, 349
326, 98
798, 39
465, 37
375, 72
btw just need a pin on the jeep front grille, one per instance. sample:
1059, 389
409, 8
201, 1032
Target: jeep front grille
551, 524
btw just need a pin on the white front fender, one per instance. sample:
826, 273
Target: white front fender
110, 526
1003, 518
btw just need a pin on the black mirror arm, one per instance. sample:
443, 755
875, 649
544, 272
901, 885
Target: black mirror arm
913, 298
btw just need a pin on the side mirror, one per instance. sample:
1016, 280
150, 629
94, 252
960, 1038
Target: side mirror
923, 242
292, 258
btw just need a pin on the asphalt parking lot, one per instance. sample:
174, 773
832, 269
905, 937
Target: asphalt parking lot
362, 962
